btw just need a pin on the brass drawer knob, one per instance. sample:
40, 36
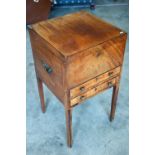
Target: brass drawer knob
110, 84
47, 68
82, 89
82, 97
110, 73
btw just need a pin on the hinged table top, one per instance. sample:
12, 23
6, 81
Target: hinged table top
75, 32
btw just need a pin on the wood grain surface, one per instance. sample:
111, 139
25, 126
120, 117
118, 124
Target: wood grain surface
75, 32
95, 61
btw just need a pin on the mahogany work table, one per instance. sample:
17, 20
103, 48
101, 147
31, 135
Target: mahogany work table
77, 56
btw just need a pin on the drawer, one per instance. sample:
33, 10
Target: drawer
93, 91
91, 83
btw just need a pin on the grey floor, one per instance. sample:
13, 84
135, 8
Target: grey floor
93, 134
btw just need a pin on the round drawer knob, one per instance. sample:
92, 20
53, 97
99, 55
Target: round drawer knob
82, 97
82, 89
110, 73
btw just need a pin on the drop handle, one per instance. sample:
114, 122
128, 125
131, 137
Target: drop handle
47, 68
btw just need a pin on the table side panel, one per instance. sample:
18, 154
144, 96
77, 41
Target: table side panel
42, 54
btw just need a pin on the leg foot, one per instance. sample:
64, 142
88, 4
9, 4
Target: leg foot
69, 127
114, 100
41, 94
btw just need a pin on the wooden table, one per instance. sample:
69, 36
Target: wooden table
77, 56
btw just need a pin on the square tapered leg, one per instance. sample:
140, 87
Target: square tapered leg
41, 94
69, 127
114, 100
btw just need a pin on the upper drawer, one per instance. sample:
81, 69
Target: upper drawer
91, 83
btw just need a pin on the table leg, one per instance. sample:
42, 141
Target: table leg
41, 94
114, 100
69, 127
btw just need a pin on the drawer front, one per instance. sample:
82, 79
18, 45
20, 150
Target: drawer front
92, 83
95, 61
93, 91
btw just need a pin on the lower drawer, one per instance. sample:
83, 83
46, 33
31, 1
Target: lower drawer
93, 91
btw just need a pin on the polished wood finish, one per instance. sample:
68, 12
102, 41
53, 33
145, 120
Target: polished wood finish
95, 61
75, 32
77, 56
